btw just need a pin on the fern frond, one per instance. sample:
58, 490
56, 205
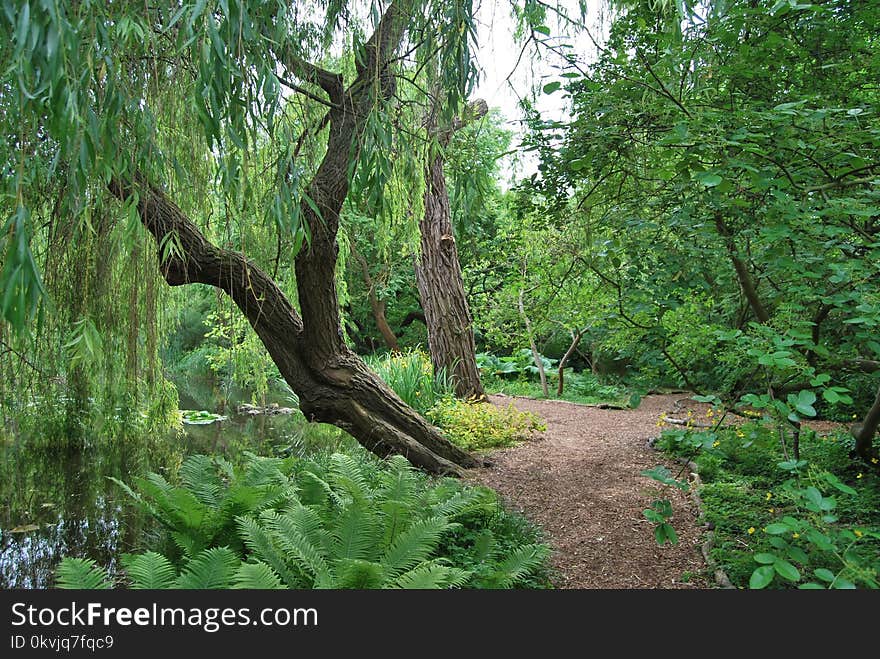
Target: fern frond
258, 541
266, 471
256, 576
311, 525
432, 575
415, 545
199, 475
397, 486
458, 503
521, 562
349, 475
211, 569
397, 516
287, 532
316, 490
356, 532
359, 575
81, 574
149, 571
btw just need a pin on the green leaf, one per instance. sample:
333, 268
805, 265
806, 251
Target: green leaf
835, 482
811, 586
670, 533
786, 570
765, 558
542, 29
708, 179
798, 554
761, 577
843, 584
149, 571
777, 528
81, 574
824, 574
551, 87
256, 576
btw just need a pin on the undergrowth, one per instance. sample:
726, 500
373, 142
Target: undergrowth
784, 523
337, 521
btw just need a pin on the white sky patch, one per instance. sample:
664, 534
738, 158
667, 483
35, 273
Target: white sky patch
506, 77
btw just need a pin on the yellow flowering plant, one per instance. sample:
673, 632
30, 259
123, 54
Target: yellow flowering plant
479, 425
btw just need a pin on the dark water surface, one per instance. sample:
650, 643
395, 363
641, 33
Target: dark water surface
60, 502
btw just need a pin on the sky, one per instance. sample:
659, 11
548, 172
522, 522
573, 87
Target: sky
505, 77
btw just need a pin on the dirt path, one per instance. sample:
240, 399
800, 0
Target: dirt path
581, 483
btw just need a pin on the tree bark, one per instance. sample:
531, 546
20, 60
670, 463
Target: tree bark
742, 272
438, 276
864, 432
536, 356
376, 305
576, 336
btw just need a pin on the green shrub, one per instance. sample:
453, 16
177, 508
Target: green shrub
780, 522
475, 426
339, 521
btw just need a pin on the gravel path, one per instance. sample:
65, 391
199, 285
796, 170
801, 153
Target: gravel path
581, 483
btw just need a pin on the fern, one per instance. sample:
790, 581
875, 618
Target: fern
432, 575
81, 574
210, 569
518, 564
415, 545
358, 574
149, 571
355, 531
349, 475
258, 541
288, 532
256, 576
199, 474
345, 521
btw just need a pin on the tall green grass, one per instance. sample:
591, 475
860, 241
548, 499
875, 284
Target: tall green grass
412, 377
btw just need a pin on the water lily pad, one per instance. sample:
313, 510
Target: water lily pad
200, 417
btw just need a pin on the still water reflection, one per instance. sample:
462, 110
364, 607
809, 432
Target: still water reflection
56, 503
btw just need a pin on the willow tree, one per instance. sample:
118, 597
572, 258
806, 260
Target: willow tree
438, 270
86, 89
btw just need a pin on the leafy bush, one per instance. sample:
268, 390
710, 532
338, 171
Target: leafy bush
475, 426
781, 522
411, 375
341, 521
519, 363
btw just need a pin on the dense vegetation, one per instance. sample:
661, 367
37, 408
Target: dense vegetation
199, 196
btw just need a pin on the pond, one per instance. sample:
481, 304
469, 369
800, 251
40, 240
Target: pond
61, 502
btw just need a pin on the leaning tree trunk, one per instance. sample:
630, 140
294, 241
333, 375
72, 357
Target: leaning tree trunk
377, 306
332, 382
864, 432
576, 336
338, 388
438, 275
536, 356
743, 276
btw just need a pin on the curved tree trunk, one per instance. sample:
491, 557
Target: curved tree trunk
743, 276
864, 432
376, 305
438, 275
332, 382
576, 336
337, 389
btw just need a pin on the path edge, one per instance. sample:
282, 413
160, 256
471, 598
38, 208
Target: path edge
720, 576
